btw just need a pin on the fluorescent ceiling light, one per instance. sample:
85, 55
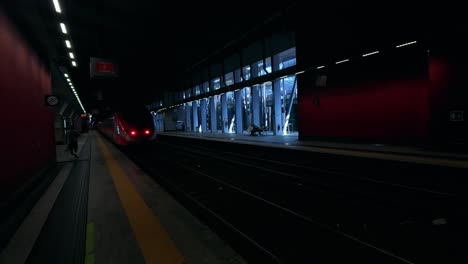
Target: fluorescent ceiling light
64, 28
57, 6
370, 53
341, 61
406, 44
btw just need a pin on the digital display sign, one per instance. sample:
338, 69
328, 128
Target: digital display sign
103, 68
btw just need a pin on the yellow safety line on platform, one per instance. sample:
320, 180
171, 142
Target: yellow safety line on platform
155, 244
89, 258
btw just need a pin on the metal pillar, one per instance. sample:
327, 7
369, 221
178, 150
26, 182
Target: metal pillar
289, 107
224, 112
195, 116
188, 117
256, 104
203, 115
214, 127
238, 98
277, 108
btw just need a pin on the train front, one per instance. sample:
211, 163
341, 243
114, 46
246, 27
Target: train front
135, 127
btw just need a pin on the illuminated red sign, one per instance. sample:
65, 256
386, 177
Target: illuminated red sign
104, 67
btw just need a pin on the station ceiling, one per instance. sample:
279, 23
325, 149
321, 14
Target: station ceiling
153, 41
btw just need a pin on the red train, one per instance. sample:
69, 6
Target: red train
129, 127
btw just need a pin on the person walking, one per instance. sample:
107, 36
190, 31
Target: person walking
72, 140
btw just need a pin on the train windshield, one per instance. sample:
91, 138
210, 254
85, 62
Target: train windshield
139, 117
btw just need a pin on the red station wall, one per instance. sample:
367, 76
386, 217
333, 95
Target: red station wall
368, 100
26, 134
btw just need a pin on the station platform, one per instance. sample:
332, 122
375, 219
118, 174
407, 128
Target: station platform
364, 150
101, 208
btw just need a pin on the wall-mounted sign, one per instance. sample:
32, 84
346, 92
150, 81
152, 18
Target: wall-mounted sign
321, 81
51, 100
104, 68
456, 116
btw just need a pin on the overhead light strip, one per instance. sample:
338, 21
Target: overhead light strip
342, 61
72, 56
57, 6
370, 53
406, 44
64, 28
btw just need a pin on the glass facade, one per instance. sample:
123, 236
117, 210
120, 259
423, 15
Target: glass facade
199, 116
261, 69
216, 83
270, 104
266, 106
206, 87
208, 114
231, 112
289, 103
219, 116
246, 72
246, 108
229, 78
285, 59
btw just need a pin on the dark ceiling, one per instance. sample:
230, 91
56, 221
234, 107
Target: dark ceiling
152, 41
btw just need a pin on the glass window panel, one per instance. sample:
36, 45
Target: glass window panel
246, 72
285, 59
229, 78
206, 87
216, 83
231, 110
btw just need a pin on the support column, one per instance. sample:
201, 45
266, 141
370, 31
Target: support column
188, 117
203, 115
224, 112
160, 118
238, 98
155, 121
195, 116
277, 108
256, 104
180, 112
214, 127
173, 115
